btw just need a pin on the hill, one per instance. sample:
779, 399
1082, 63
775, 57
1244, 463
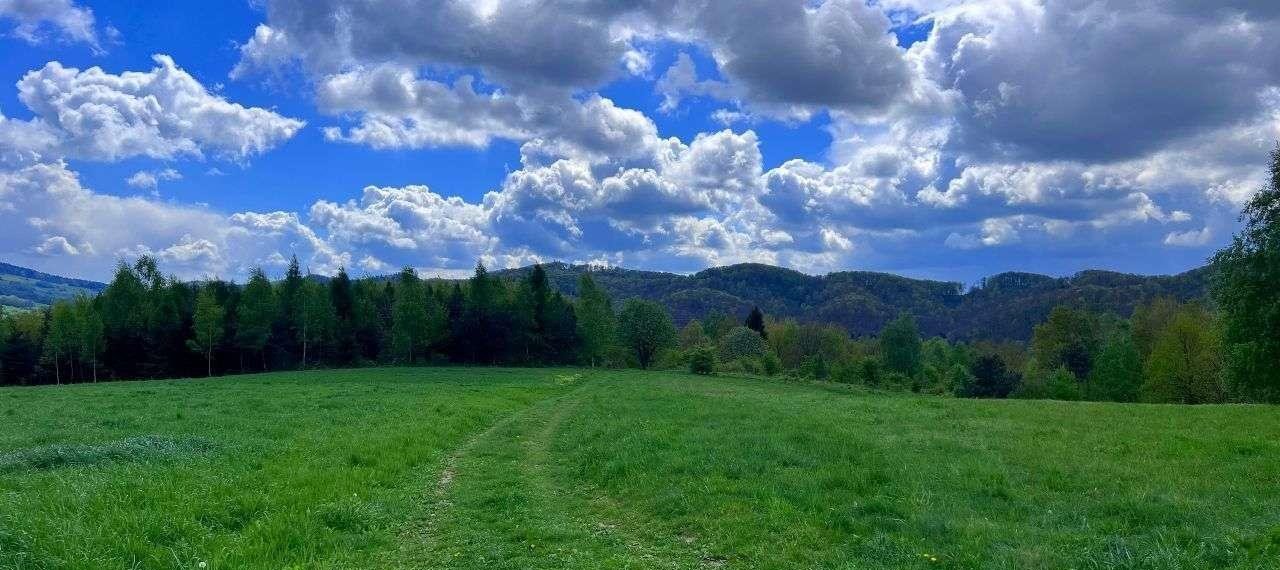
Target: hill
1002, 307
27, 288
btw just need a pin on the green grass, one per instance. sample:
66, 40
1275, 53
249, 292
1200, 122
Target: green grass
516, 469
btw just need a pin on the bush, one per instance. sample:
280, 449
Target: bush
702, 361
770, 363
1038, 384
815, 367
742, 343
990, 379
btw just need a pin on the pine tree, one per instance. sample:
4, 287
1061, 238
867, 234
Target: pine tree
289, 303
208, 326
343, 299
755, 322
256, 313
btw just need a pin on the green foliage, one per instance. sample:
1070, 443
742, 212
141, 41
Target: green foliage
1185, 365
255, 314
316, 319
702, 360
900, 346
692, 336
741, 343
717, 324
1069, 338
207, 327
1246, 288
990, 378
793, 341
770, 365
1117, 370
646, 330
597, 324
816, 367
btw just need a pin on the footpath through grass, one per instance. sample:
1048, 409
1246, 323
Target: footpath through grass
527, 469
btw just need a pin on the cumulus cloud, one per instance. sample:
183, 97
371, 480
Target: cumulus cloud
32, 17
1095, 81
47, 214
838, 53
163, 113
1018, 134
399, 110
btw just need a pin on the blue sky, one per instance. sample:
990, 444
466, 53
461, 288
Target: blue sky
949, 139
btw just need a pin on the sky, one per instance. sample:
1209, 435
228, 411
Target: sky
944, 139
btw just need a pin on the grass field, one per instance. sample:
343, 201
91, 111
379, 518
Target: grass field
515, 469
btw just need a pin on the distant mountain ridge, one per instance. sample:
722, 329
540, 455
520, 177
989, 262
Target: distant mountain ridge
27, 288
1005, 306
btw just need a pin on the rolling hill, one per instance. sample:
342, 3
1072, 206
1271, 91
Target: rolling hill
1002, 307
28, 289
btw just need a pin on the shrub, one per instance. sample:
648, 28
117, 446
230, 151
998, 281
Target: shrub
702, 361
815, 366
990, 379
770, 363
741, 343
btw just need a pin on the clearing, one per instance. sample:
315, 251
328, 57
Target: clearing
565, 468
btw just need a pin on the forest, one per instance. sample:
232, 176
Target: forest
147, 325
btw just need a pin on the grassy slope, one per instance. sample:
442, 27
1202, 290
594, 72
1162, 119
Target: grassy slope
526, 469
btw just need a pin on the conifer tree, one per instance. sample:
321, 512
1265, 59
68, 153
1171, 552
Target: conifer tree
755, 322
256, 313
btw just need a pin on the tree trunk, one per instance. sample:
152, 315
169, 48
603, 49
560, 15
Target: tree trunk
57, 371
208, 366
95, 370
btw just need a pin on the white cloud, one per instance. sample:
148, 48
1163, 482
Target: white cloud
1190, 238
163, 113
150, 179
75, 23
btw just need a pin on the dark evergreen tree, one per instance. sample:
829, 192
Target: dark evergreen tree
343, 299
284, 332
755, 322
256, 313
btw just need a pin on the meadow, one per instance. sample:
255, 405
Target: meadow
572, 468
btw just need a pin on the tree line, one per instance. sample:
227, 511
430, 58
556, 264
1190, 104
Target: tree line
147, 325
